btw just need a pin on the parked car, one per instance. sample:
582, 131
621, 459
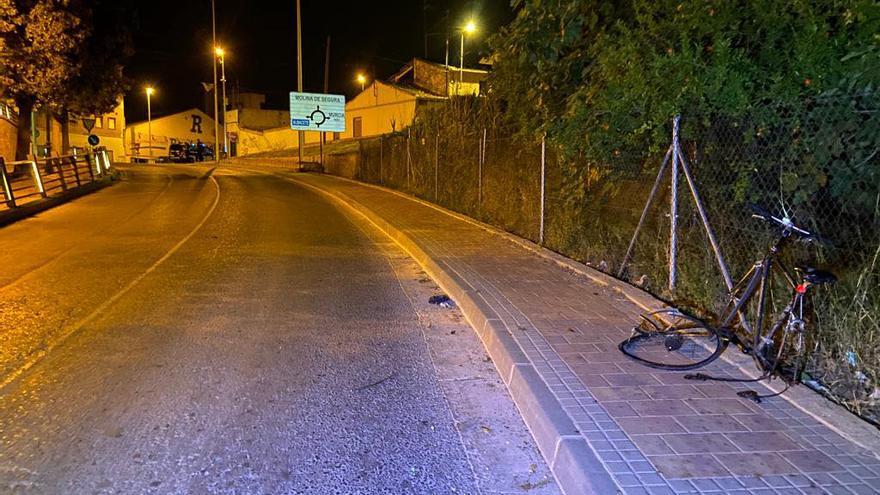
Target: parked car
181, 153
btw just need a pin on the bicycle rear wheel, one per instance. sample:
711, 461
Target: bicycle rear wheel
670, 340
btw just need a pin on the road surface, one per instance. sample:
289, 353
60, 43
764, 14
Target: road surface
193, 330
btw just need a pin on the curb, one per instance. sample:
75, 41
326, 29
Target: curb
574, 464
39, 206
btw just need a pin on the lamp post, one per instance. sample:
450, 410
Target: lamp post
216, 116
362, 80
150, 92
220, 54
300, 135
469, 28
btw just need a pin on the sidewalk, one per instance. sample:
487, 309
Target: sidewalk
605, 424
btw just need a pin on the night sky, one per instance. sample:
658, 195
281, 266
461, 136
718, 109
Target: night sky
173, 45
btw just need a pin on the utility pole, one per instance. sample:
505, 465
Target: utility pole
299, 73
326, 90
222, 56
214, 62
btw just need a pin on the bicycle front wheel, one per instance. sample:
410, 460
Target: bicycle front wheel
670, 340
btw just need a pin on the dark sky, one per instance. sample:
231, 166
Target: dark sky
173, 44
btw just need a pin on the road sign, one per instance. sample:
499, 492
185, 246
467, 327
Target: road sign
94, 140
317, 112
88, 123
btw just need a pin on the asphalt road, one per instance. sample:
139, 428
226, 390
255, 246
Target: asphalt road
200, 331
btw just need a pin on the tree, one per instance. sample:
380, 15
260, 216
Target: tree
99, 82
543, 56
39, 39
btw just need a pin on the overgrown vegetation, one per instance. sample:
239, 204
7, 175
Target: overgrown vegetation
779, 107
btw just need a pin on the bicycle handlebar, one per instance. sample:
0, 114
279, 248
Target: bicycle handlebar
786, 223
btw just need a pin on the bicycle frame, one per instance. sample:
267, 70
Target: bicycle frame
755, 281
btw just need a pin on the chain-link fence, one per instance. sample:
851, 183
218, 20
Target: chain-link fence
817, 161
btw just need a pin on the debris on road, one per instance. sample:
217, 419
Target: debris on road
442, 300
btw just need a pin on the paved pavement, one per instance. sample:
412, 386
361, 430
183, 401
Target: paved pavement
201, 331
627, 428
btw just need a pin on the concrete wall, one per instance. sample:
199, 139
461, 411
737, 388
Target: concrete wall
342, 164
282, 138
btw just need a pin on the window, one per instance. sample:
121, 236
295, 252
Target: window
111, 123
99, 122
357, 127
336, 136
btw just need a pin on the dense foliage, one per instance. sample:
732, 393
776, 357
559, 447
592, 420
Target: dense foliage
598, 74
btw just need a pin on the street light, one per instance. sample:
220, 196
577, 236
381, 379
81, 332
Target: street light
149, 90
361, 79
220, 54
214, 73
469, 28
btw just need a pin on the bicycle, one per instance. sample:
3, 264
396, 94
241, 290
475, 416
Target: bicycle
671, 340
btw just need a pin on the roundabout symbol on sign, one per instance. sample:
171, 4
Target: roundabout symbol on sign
321, 116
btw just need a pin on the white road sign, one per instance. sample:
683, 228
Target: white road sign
317, 112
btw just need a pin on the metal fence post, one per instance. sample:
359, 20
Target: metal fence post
38, 181
480, 168
72, 162
59, 169
7, 187
96, 156
89, 159
408, 159
543, 172
673, 206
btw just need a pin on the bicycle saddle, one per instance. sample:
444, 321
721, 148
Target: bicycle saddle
815, 276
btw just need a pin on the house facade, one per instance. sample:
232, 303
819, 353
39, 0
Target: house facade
188, 126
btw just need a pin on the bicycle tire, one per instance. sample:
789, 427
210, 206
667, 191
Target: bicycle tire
673, 341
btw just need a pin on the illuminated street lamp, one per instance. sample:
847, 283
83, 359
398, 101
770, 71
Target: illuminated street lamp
220, 54
214, 73
362, 80
149, 90
469, 28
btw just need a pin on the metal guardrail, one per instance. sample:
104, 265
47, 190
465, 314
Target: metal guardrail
98, 165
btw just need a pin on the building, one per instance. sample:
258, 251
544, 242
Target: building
440, 79
188, 126
382, 108
48, 134
109, 128
391, 106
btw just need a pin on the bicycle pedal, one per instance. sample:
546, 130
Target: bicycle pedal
751, 395
697, 376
